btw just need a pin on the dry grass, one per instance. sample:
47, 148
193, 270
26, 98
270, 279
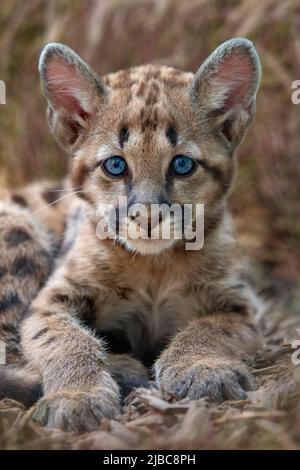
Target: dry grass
120, 33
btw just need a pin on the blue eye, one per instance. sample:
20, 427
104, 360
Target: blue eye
115, 166
182, 165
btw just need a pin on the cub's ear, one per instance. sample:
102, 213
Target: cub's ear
225, 86
73, 92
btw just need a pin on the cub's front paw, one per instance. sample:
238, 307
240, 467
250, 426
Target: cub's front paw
215, 379
78, 411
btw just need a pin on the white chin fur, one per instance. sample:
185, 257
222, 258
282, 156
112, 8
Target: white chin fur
147, 247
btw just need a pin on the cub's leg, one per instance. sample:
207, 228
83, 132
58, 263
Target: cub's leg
79, 390
208, 358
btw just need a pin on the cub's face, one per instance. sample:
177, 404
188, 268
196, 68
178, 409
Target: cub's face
151, 134
148, 145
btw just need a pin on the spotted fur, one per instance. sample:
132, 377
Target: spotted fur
185, 315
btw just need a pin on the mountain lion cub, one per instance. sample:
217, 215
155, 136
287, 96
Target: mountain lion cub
111, 312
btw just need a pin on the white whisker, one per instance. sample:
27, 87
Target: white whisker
63, 190
56, 201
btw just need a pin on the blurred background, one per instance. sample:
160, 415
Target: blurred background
113, 34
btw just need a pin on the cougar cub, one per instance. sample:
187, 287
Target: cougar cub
155, 135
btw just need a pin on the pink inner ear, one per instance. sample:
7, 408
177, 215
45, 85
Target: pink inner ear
236, 72
64, 85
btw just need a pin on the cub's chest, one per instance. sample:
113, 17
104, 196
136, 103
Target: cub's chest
142, 321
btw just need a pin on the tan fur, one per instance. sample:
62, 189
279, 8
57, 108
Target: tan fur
185, 313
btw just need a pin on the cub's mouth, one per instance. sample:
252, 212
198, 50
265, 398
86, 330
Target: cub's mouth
153, 232
147, 246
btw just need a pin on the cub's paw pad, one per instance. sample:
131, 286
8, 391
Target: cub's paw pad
75, 411
215, 380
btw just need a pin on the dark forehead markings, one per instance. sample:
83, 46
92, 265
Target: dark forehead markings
123, 79
171, 134
141, 88
149, 118
152, 93
174, 82
123, 85
151, 98
123, 136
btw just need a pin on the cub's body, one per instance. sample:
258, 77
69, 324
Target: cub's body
115, 311
138, 304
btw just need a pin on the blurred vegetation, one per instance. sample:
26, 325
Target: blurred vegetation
113, 34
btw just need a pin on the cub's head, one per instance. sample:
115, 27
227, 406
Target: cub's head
154, 134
